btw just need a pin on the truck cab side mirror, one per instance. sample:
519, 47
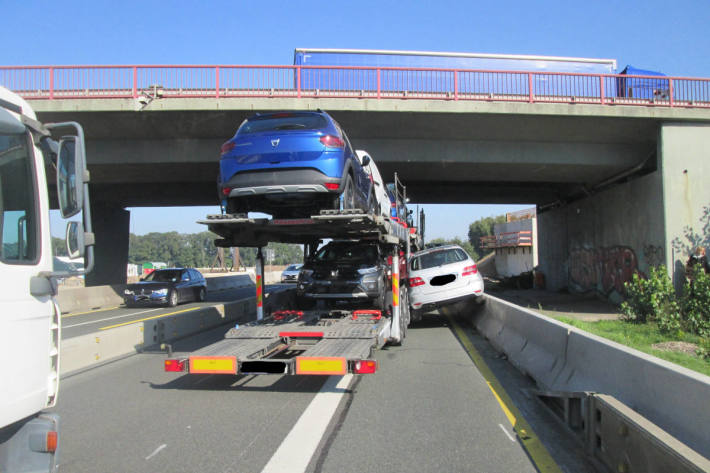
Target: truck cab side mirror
75, 240
70, 176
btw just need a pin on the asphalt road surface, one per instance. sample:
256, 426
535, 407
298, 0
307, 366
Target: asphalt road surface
428, 408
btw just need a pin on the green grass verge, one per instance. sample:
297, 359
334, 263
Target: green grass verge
641, 337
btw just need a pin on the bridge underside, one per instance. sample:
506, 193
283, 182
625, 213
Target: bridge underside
166, 158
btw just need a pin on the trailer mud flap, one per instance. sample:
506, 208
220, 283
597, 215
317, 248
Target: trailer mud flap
213, 365
323, 365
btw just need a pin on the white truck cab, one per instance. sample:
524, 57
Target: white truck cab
29, 315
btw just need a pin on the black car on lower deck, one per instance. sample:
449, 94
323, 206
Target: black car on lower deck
167, 286
344, 271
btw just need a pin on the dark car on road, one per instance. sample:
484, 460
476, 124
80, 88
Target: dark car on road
168, 286
292, 164
345, 271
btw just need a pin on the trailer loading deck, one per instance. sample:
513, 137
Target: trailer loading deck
294, 342
313, 342
239, 230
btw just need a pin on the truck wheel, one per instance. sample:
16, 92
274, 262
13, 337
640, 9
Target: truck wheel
172, 298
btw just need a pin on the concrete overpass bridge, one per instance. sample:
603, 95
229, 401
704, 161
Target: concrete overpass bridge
620, 182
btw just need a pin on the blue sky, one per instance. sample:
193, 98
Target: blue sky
666, 36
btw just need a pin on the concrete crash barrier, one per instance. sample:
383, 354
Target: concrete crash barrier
85, 351
535, 344
226, 282
562, 358
80, 299
674, 398
82, 352
623, 440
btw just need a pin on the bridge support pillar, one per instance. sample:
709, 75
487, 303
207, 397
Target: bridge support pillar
598, 243
111, 224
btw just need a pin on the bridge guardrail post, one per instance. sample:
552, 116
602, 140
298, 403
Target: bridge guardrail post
298, 81
456, 85
216, 79
601, 89
530, 88
670, 92
378, 82
135, 82
51, 83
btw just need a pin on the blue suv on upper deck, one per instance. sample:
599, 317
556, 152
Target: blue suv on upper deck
292, 164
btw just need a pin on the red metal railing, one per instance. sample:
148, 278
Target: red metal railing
76, 82
509, 239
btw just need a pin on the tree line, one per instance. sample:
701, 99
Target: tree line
195, 250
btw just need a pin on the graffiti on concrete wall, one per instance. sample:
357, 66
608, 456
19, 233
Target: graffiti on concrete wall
653, 255
602, 269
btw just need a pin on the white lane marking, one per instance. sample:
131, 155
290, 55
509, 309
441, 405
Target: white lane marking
155, 452
295, 452
109, 318
512, 439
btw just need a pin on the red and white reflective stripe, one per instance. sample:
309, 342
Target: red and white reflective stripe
469, 270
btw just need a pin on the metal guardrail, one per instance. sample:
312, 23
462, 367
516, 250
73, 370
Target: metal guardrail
217, 81
508, 239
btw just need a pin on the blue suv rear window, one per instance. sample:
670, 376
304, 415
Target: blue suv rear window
282, 122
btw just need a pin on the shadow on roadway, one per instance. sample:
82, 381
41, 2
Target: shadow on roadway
245, 383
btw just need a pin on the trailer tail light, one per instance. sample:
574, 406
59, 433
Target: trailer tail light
332, 186
226, 191
227, 147
174, 365
414, 282
322, 365
52, 441
331, 141
365, 367
469, 270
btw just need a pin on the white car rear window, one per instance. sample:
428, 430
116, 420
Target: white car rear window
438, 258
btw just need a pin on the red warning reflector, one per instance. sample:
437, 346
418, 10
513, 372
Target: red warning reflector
365, 367
376, 314
52, 441
332, 186
301, 334
174, 365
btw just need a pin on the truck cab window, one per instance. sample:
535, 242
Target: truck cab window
18, 218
